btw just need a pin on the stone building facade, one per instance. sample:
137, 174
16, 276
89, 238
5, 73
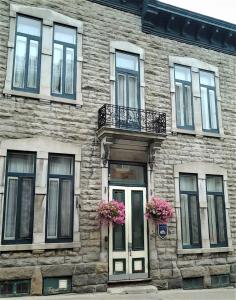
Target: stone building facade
106, 99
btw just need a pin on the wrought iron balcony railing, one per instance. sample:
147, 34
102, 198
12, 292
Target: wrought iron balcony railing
115, 116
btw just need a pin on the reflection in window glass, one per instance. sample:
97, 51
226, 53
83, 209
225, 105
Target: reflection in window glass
127, 174
127, 61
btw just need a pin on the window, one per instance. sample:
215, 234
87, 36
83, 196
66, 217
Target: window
57, 285
14, 288
183, 97
190, 218
216, 211
64, 59
19, 198
208, 101
27, 54
60, 198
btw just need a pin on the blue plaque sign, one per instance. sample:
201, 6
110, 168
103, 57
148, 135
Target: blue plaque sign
162, 230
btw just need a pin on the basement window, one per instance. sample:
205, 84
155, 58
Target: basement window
218, 281
14, 288
56, 285
193, 283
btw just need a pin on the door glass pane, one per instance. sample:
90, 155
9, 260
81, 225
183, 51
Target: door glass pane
61, 165
65, 209
188, 182
26, 205
57, 69
69, 78
214, 184
212, 219
53, 196
179, 104
137, 220
188, 105
205, 109
127, 61
33, 64
133, 99
65, 34
194, 219
185, 219
212, 100
207, 78
20, 58
28, 26
127, 174
11, 208
20, 163
221, 219
121, 90
119, 230
182, 73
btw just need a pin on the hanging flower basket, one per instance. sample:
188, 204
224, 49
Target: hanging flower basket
112, 212
159, 210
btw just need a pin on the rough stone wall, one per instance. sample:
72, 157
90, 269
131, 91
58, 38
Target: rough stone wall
20, 118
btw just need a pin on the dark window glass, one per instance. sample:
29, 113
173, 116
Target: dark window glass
19, 197
60, 198
64, 62
27, 54
137, 220
119, 230
216, 211
190, 218
127, 174
15, 288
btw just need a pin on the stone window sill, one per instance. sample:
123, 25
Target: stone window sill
45, 98
175, 131
43, 246
204, 250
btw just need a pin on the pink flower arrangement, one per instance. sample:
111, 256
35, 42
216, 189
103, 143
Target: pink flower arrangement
159, 210
111, 212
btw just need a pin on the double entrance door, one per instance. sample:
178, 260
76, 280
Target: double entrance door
128, 247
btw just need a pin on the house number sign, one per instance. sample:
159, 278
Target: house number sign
162, 230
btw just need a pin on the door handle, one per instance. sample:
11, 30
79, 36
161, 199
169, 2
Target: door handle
130, 249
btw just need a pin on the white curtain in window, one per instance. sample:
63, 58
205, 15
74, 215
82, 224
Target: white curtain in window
133, 98
33, 64
188, 105
221, 218
194, 219
214, 184
185, 220
21, 163
11, 208
69, 77
65, 211
212, 219
188, 183
20, 59
57, 69
212, 100
61, 165
52, 218
121, 89
205, 109
179, 104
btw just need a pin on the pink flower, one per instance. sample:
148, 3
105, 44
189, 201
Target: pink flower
111, 212
159, 210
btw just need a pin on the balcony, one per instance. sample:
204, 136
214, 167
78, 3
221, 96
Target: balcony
131, 123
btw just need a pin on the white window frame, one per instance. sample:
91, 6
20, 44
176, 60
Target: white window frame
202, 170
132, 49
195, 65
42, 146
48, 18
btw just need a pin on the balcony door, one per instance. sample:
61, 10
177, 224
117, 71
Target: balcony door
127, 91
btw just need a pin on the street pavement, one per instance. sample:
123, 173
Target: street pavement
207, 294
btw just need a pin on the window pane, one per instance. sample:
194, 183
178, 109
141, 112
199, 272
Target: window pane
121, 88
188, 182
119, 230
179, 104
33, 64
11, 208
128, 174
205, 108
69, 77
20, 58
20, 163
188, 105
207, 78
194, 219
133, 99
185, 219
65, 34
212, 100
182, 73
214, 184
28, 26
137, 220
57, 69
221, 219
53, 195
127, 61
212, 219
26, 205
65, 209
61, 165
